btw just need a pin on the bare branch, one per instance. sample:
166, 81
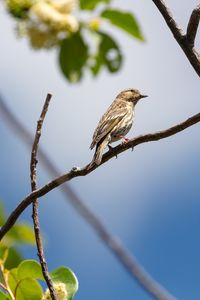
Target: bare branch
191, 53
114, 244
35, 215
193, 25
76, 171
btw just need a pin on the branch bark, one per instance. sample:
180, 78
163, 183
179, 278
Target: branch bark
35, 215
193, 25
76, 171
186, 42
181, 38
113, 244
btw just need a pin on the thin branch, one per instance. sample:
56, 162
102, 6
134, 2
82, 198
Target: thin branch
181, 38
76, 171
5, 279
35, 216
114, 244
193, 25
6, 288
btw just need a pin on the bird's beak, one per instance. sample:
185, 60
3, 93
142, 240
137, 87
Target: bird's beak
143, 96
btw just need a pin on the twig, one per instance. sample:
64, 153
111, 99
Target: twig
35, 215
181, 38
76, 172
130, 264
5, 286
193, 25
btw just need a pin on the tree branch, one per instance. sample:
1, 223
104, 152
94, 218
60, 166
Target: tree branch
193, 25
181, 38
76, 171
187, 44
35, 216
114, 244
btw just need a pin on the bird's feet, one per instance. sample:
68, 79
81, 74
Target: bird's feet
110, 148
124, 139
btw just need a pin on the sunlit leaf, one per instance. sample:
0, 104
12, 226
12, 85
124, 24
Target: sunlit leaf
66, 276
2, 214
73, 56
91, 4
13, 259
28, 289
12, 279
125, 21
23, 234
29, 268
20, 233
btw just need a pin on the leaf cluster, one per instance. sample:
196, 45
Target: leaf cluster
20, 234
91, 47
23, 279
23, 282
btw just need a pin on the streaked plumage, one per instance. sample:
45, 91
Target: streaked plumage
116, 122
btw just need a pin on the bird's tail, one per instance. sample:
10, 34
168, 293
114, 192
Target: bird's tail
99, 150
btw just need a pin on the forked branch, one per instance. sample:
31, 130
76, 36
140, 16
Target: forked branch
182, 38
193, 25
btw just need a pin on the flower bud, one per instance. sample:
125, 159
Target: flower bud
60, 290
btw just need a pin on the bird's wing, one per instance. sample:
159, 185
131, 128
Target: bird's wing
109, 120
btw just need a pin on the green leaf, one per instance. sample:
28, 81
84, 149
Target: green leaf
28, 289
24, 234
29, 269
19, 12
2, 214
13, 259
12, 279
91, 4
66, 276
3, 296
19, 9
124, 20
22, 281
108, 54
73, 57
3, 254
21, 233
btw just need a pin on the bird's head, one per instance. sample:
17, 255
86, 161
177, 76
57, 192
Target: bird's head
131, 95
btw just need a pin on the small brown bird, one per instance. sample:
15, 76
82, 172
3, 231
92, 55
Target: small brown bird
116, 122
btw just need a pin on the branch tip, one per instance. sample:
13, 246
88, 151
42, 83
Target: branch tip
35, 204
193, 25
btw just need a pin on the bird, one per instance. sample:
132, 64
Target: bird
115, 122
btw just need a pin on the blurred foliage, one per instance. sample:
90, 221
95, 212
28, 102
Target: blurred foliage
20, 279
20, 234
125, 21
91, 4
74, 47
23, 282
82, 43
108, 54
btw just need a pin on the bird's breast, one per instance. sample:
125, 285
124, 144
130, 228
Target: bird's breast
123, 127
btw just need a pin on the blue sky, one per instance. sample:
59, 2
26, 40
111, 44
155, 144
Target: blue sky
149, 198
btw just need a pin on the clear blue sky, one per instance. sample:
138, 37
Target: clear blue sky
149, 198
